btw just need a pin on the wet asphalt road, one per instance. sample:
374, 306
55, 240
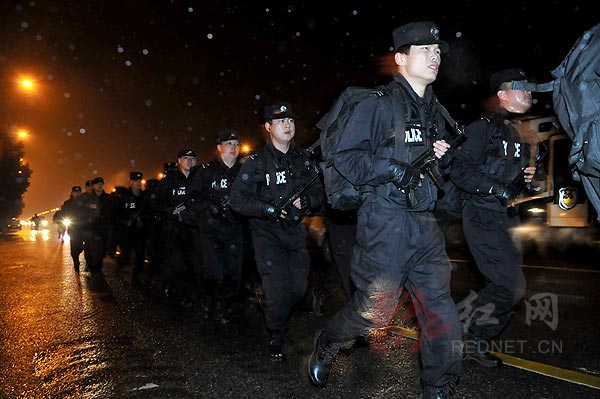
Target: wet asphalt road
64, 335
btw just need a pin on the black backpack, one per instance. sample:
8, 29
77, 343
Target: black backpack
576, 100
339, 192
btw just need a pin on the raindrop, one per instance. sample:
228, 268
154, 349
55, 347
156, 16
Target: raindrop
189, 128
38, 37
145, 52
128, 63
458, 34
24, 25
297, 34
354, 12
80, 115
148, 102
155, 138
77, 157
209, 36
67, 94
189, 103
132, 163
82, 130
69, 133
245, 176
71, 47
50, 77
257, 97
120, 49
190, 9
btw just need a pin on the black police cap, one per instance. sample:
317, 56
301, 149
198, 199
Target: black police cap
279, 110
186, 152
226, 135
506, 75
417, 34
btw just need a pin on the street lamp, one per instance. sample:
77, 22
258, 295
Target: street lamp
26, 84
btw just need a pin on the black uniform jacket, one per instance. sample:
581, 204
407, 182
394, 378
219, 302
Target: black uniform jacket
493, 153
93, 212
212, 189
368, 147
268, 176
172, 201
127, 209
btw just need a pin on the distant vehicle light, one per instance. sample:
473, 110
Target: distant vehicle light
66, 222
536, 210
44, 223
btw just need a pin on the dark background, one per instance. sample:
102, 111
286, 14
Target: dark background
122, 85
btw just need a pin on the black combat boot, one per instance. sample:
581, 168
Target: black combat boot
321, 359
476, 348
444, 392
276, 346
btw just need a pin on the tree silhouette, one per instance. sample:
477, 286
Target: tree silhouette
14, 176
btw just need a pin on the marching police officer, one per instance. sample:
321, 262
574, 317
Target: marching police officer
130, 224
93, 214
265, 179
69, 210
489, 166
173, 204
398, 242
222, 230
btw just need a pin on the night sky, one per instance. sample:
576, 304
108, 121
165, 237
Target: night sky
122, 85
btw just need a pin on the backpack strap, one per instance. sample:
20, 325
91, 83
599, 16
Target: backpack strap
399, 110
455, 126
534, 87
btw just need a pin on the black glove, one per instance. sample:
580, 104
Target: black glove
304, 203
404, 176
506, 193
272, 212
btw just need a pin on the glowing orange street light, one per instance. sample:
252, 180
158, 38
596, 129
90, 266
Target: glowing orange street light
245, 149
26, 84
22, 134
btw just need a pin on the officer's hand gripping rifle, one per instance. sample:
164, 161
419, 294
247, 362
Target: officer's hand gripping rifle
426, 163
519, 186
178, 210
288, 202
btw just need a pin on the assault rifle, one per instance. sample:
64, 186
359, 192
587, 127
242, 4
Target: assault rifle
518, 184
287, 202
426, 163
